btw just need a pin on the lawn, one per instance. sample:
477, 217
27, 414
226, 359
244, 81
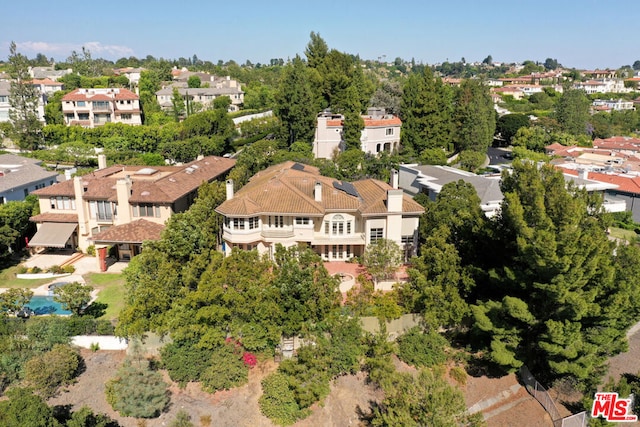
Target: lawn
621, 233
8, 279
111, 287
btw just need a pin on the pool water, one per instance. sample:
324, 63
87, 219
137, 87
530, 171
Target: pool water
45, 305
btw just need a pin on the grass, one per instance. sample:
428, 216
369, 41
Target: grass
111, 287
8, 279
621, 233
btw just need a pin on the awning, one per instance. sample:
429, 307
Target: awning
53, 234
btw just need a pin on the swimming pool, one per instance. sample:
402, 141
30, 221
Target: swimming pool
46, 305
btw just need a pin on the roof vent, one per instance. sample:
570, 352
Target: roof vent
189, 170
145, 193
146, 171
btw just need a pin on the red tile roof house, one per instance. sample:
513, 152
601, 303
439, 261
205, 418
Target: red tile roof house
381, 133
293, 204
120, 205
95, 107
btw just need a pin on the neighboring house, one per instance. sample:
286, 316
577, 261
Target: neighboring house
120, 205
20, 176
95, 107
429, 180
293, 204
132, 74
381, 133
599, 74
45, 87
602, 86
5, 88
612, 104
48, 73
204, 95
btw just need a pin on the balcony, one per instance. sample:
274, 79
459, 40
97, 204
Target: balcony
277, 233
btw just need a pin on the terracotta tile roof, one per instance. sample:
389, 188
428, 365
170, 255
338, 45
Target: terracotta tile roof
133, 232
370, 122
288, 188
126, 94
55, 217
64, 188
625, 183
172, 182
46, 82
618, 143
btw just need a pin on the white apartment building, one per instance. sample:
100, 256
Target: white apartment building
381, 133
95, 107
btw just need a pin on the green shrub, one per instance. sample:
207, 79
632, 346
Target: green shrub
48, 371
21, 269
278, 402
137, 391
94, 347
35, 270
182, 419
422, 348
459, 374
68, 269
55, 269
226, 370
184, 362
91, 250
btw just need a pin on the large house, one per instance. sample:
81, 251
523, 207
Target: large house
120, 205
381, 133
95, 107
211, 87
19, 176
293, 204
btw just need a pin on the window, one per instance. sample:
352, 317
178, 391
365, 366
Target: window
101, 105
125, 116
254, 222
276, 221
4, 98
376, 234
39, 186
146, 209
62, 202
83, 116
326, 251
389, 131
26, 192
302, 221
337, 226
238, 223
102, 210
227, 221
80, 103
407, 240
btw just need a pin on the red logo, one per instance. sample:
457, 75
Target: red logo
609, 406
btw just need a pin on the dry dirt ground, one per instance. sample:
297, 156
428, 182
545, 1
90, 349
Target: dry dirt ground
503, 401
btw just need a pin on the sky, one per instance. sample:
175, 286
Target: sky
583, 34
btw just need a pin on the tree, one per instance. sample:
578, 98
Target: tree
353, 124
388, 96
382, 258
24, 99
193, 81
23, 408
14, 299
636, 65
316, 50
178, 106
137, 391
48, 371
488, 60
278, 401
508, 125
474, 118
550, 64
550, 297
295, 103
73, 297
426, 114
532, 138
572, 111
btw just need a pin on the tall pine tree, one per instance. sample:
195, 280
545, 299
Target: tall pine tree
474, 118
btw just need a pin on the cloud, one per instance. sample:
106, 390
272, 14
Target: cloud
97, 49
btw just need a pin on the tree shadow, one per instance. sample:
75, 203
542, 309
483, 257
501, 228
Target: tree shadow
478, 367
96, 309
366, 415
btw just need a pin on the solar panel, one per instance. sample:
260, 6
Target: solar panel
297, 167
347, 187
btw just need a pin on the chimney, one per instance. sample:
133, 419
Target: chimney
394, 200
123, 193
229, 189
317, 192
102, 161
394, 179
